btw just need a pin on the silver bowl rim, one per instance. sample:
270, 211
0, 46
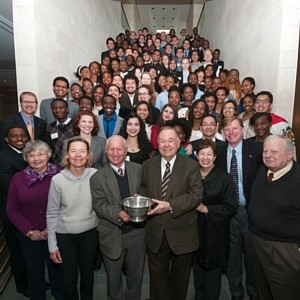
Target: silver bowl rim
135, 197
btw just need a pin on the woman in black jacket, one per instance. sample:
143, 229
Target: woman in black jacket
214, 212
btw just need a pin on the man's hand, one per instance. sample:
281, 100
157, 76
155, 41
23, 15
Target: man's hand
160, 208
124, 216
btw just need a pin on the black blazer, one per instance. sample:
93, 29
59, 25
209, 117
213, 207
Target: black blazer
251, 160
125, 101
123, 112
40, 128
11, 162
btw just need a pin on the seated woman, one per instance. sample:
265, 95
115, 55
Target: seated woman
214, 213
261, 122
26, 209
138, 145
72, 222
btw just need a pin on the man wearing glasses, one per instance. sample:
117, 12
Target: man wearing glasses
280, 126
35, 127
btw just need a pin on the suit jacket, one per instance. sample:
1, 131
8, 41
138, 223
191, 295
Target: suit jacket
107, 205
46, 111
40, 128
101, 131
184, 193
11, 162
125, 101
251, 160
123, 112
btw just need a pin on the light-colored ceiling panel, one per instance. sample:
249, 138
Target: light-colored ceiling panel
164, 16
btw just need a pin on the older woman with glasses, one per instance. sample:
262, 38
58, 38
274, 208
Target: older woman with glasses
26, 209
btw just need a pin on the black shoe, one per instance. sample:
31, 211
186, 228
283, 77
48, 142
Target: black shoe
251, 297
47, 285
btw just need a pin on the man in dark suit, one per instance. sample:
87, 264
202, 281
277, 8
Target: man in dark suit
110, 43
171, 229
11, 162
122, 242
247, 158
35, 127
129, 97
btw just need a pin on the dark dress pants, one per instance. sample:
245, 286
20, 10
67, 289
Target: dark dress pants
36, 256
169, 273
207, 282
239, 245
17, 261
276, 267
78, 251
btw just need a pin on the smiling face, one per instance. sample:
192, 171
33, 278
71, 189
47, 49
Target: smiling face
143, 112
168, 114
77, 154
86, 124
208, 127
188, 94
146, 79
87, 87
76, 92
109, 105
247, 87
114, 91
17, 138
60, 110
98, 95
38, 159
229, 110
206, 158
275, 154
168, 143
28, 104
174, 98
248, 104
60, 89
262, 104
130, 86
116, 150
199, 110
262, 127
133, 127
144, 94
233, 133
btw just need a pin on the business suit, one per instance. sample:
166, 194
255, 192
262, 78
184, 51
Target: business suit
251, 161
177, 229
113, 243
46, 110
40, 127
12, 162
117, 128
125, 100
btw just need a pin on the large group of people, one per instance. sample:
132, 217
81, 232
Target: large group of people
161, 117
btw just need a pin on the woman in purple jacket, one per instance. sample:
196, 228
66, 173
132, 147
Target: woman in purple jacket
26, 209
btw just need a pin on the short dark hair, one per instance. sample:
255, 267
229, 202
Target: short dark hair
265, 93
110, 39
206, 143
60, 100
61, 78
259, 115
133, 77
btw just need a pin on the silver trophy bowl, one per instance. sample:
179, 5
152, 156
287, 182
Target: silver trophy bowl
137, 207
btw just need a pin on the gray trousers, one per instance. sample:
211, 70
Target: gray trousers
131, 261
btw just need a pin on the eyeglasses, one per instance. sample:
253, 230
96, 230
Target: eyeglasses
262, 102
143, 94
228, 108
38, 155
209, 124
29, 102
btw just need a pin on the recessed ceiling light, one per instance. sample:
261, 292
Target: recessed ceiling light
163, 8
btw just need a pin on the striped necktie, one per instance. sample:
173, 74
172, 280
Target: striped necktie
165, 181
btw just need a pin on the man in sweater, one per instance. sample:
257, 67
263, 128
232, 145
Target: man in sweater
122, 242
274, 217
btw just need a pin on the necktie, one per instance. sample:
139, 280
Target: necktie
270, 177
30, 130
61, 126
165, 181
107, 129
120, 171
234, 174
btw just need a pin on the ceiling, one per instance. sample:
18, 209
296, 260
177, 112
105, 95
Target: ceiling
169, 15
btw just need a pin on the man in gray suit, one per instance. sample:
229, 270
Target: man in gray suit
60, 90
122, 242
171, 229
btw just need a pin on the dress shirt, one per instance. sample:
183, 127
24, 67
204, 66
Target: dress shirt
26, 119
239, 156
112, 123
163, 165
116, 169
68, 120
282, 172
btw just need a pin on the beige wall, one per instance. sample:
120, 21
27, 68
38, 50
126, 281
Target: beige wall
260, 38
54, 37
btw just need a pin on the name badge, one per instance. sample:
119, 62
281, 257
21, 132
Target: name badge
54, 135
